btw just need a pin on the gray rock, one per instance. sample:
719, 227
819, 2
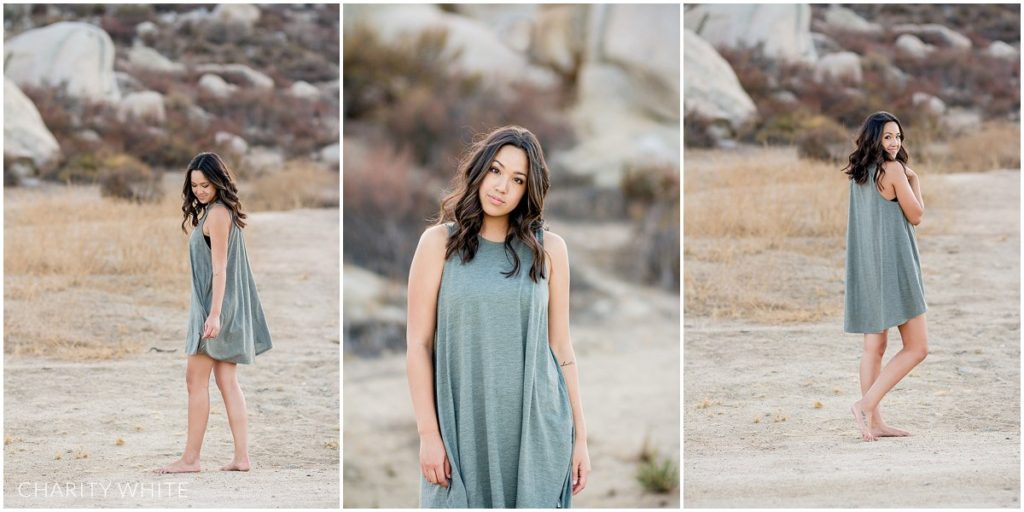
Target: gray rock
959, 120
784, 30
243, 15
25, 134
216, 86
231, 142
913, 46
512, 22
482, 51
559, 36
331, 155
146, 29
1001, 50
934, 105
78, 54
144, 106
261, 160
239, 73
634, 30
785, 97
824, 44
717, 95
939, 33
145, 58
304, 90
842, 66
843, 19
127, 83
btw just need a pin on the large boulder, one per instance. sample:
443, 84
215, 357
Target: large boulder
934, 105
25, 134
512, 22
79, 55
651, 31
481, 49
304, 90
784, 30
559, 36
145, 106
713, 91
839, 67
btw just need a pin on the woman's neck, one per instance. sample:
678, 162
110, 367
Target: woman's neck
494, 228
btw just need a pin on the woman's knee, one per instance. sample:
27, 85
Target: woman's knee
196, 382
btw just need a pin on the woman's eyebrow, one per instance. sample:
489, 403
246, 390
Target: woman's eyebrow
499, 163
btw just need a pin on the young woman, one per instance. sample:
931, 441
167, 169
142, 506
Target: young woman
883, 270
226, 323
491, 368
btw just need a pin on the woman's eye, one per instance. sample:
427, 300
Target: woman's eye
519, 181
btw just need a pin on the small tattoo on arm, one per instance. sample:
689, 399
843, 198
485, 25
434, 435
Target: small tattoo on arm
567, 363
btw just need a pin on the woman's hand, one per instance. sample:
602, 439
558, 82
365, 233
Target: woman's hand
911, 175
212, 327
433, 459
580, 465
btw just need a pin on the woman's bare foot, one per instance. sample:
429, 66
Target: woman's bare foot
880, 429
237, 465
179, 467
863, 420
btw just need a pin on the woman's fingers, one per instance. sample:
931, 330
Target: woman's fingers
439, 477
579, 477
447, 468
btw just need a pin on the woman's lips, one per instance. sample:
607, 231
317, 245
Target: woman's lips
495, 201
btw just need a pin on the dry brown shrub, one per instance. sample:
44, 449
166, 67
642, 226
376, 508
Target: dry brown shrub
301, 184
995, 146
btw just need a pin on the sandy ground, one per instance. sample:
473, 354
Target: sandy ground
627, 343
77, 411
962, 403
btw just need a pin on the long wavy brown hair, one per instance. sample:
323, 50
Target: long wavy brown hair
870, 150
215, 170
462, 205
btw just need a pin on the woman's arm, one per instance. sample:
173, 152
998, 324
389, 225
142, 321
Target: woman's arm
219, 220
424, 282
908, 190
561, 345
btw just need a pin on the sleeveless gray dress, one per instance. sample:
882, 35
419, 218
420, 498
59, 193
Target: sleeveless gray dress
243, 327
502, 404
884, 287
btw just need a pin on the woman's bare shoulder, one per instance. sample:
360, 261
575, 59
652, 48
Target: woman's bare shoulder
554, 243
435, 237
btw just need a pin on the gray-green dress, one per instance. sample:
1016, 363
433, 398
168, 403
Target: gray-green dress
883, 270
243, 327
502, 404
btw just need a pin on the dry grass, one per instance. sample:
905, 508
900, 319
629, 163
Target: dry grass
995, 146
81, 271
765, 235
298, 185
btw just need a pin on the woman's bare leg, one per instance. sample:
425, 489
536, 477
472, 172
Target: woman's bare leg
197, 382
234, 402
870, 367
915, 348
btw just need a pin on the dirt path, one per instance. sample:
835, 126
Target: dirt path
627, 344
754, 438
77, 411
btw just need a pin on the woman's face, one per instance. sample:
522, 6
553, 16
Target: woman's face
202, 188
892, 139
504, 183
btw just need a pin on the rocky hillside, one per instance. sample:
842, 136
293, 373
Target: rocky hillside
777, 73
88, 86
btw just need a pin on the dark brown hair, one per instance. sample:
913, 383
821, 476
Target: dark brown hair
215, 170
462, 205
870, 150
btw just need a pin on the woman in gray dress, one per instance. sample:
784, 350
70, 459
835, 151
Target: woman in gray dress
884, 287
226, 324
491, 368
